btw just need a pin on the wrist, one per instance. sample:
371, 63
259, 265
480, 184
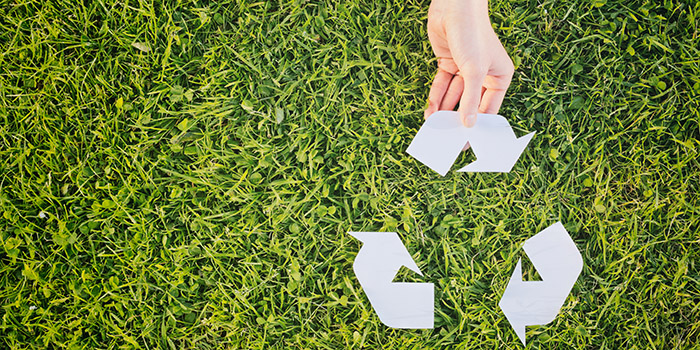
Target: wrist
468, 13
478, 8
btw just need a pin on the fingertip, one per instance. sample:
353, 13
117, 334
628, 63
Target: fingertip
469, 120
430, 110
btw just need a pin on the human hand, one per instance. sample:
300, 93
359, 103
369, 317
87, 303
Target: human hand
473, 67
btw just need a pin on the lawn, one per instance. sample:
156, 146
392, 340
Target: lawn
184, 174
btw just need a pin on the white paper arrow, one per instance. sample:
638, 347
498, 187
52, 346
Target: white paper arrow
400, 304
442, 137
559, 263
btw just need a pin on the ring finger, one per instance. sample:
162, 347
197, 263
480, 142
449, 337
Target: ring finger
453, 94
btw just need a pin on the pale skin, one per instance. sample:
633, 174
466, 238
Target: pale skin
474, 69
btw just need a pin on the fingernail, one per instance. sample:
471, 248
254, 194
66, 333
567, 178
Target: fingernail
469, 120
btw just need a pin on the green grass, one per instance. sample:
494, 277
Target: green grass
183, 175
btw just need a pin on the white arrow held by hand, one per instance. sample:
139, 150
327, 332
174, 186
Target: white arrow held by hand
400, 304
559, 263
442, 137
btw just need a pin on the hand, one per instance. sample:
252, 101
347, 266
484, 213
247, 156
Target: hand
473, 67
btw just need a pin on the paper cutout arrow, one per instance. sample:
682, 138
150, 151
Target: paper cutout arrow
400, 304
559, 263
442, 137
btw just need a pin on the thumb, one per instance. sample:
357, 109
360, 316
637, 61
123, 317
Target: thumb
471, 96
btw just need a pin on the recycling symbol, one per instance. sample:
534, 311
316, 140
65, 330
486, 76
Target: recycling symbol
552, 251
